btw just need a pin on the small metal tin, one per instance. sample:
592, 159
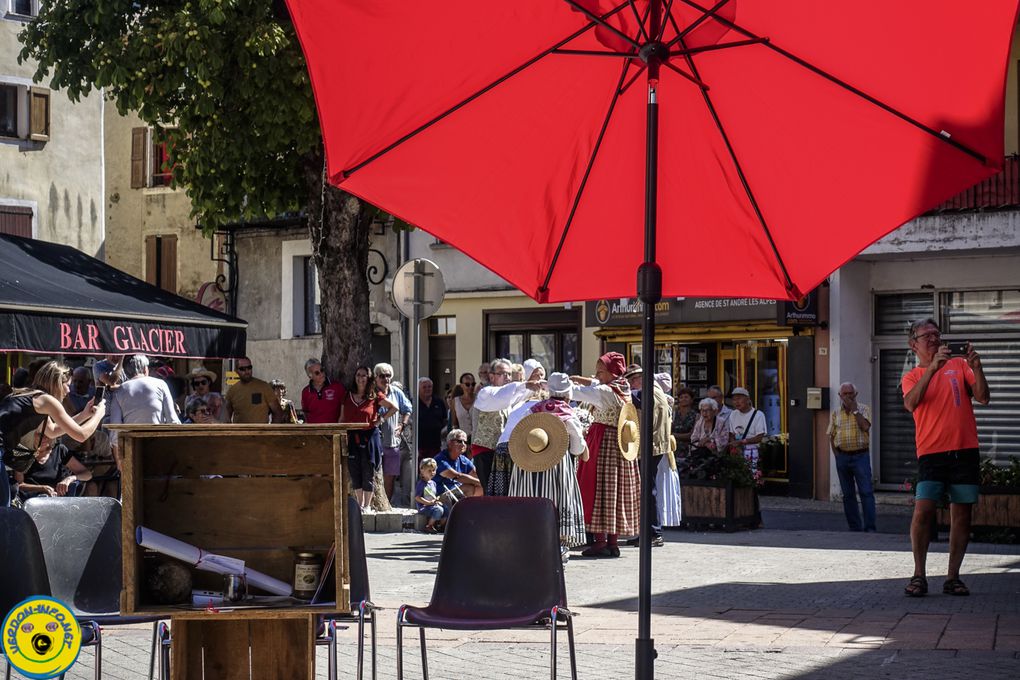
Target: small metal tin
235, 587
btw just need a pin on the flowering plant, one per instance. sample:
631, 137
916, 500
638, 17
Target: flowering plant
703, 463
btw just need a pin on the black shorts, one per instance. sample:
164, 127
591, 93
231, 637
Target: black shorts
958, 472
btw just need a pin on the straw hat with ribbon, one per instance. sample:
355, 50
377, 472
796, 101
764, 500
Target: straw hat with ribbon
201, 372
628, 431
671, 454
538, 442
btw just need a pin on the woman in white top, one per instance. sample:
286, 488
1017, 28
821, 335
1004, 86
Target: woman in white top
463, 400
506, 398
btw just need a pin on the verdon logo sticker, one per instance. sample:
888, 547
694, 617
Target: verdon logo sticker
41, 638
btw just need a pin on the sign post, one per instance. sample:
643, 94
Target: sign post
418, 292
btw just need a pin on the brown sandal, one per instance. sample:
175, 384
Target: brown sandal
954, 586
917, 587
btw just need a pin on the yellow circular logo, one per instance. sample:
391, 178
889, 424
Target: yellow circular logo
41, 638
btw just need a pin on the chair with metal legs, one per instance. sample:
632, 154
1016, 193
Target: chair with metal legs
81, 544
499, 568
361, 597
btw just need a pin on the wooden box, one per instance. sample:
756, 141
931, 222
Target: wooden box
252, 492
717, 505
997, 507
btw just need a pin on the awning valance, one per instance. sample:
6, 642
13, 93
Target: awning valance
55, 299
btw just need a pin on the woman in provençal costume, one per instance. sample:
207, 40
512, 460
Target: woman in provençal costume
610, 484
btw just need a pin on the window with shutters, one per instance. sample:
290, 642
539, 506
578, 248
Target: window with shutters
161, 262
24, 112
16, 220
149, 160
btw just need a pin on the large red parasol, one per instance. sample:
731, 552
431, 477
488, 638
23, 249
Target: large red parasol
792, 134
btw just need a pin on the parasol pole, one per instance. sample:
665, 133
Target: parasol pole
649, 288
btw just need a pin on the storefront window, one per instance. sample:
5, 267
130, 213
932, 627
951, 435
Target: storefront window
549, 335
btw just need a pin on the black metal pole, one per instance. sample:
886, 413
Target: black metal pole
649, 287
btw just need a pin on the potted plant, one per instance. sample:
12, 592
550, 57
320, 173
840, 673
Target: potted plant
717, 490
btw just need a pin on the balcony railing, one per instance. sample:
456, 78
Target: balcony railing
999, 192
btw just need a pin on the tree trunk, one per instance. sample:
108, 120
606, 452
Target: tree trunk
340, 236
338, 225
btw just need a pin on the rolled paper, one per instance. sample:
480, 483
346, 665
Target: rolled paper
206, 561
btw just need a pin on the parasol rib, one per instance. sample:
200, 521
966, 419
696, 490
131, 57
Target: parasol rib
790, 287
668, 13
721, 46
843, 84
694, 24
601, 21
584, 179
461, 104
640, 21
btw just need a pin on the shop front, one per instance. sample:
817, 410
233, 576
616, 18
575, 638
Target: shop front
765, 346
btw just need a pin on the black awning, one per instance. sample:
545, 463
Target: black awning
55, 299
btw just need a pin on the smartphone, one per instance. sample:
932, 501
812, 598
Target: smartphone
958, 349
100, 394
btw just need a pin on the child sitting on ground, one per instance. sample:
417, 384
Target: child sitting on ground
425, 494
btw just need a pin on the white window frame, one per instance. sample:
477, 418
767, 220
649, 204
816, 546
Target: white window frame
292, 288
24, 86
10, 14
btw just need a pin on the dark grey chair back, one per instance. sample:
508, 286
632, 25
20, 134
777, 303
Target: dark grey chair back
81, 544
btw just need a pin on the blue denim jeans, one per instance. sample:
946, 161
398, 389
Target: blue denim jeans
854, 470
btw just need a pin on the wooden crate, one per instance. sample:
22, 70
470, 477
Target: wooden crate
717, 505
996, 507
253, 492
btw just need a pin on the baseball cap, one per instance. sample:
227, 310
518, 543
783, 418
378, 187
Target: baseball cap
740, 390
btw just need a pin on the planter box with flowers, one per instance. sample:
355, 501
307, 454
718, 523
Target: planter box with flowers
717, 491
999, 503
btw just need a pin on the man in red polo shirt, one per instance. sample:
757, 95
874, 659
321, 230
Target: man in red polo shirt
321, 398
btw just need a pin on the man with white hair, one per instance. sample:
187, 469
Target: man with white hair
140, 399
849, 436
559, 483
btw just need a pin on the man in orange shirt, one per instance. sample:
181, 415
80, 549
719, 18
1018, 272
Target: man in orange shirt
938, 392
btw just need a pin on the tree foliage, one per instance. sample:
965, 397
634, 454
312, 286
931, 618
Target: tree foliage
223, 81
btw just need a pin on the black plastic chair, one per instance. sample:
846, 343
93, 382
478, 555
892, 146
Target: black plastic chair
81, 543
361, 597
23, 572
499, 568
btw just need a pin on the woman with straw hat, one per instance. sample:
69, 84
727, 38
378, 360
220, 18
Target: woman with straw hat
544, 434
610, 484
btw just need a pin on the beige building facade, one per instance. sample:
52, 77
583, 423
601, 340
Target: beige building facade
51, 159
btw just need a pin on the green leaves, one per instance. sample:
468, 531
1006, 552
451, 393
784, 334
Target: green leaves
225, 73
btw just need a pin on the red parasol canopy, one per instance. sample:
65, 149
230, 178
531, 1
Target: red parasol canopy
510, 130
528, 134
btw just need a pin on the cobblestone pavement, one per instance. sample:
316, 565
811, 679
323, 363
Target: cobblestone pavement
771, 603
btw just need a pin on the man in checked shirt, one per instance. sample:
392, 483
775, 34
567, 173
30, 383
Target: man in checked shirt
849, 428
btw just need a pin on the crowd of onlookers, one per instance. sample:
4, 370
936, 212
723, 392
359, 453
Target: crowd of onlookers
137, 389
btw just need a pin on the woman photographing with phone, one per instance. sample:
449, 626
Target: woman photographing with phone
26, 409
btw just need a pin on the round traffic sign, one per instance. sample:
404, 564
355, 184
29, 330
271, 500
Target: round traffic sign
418, 288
